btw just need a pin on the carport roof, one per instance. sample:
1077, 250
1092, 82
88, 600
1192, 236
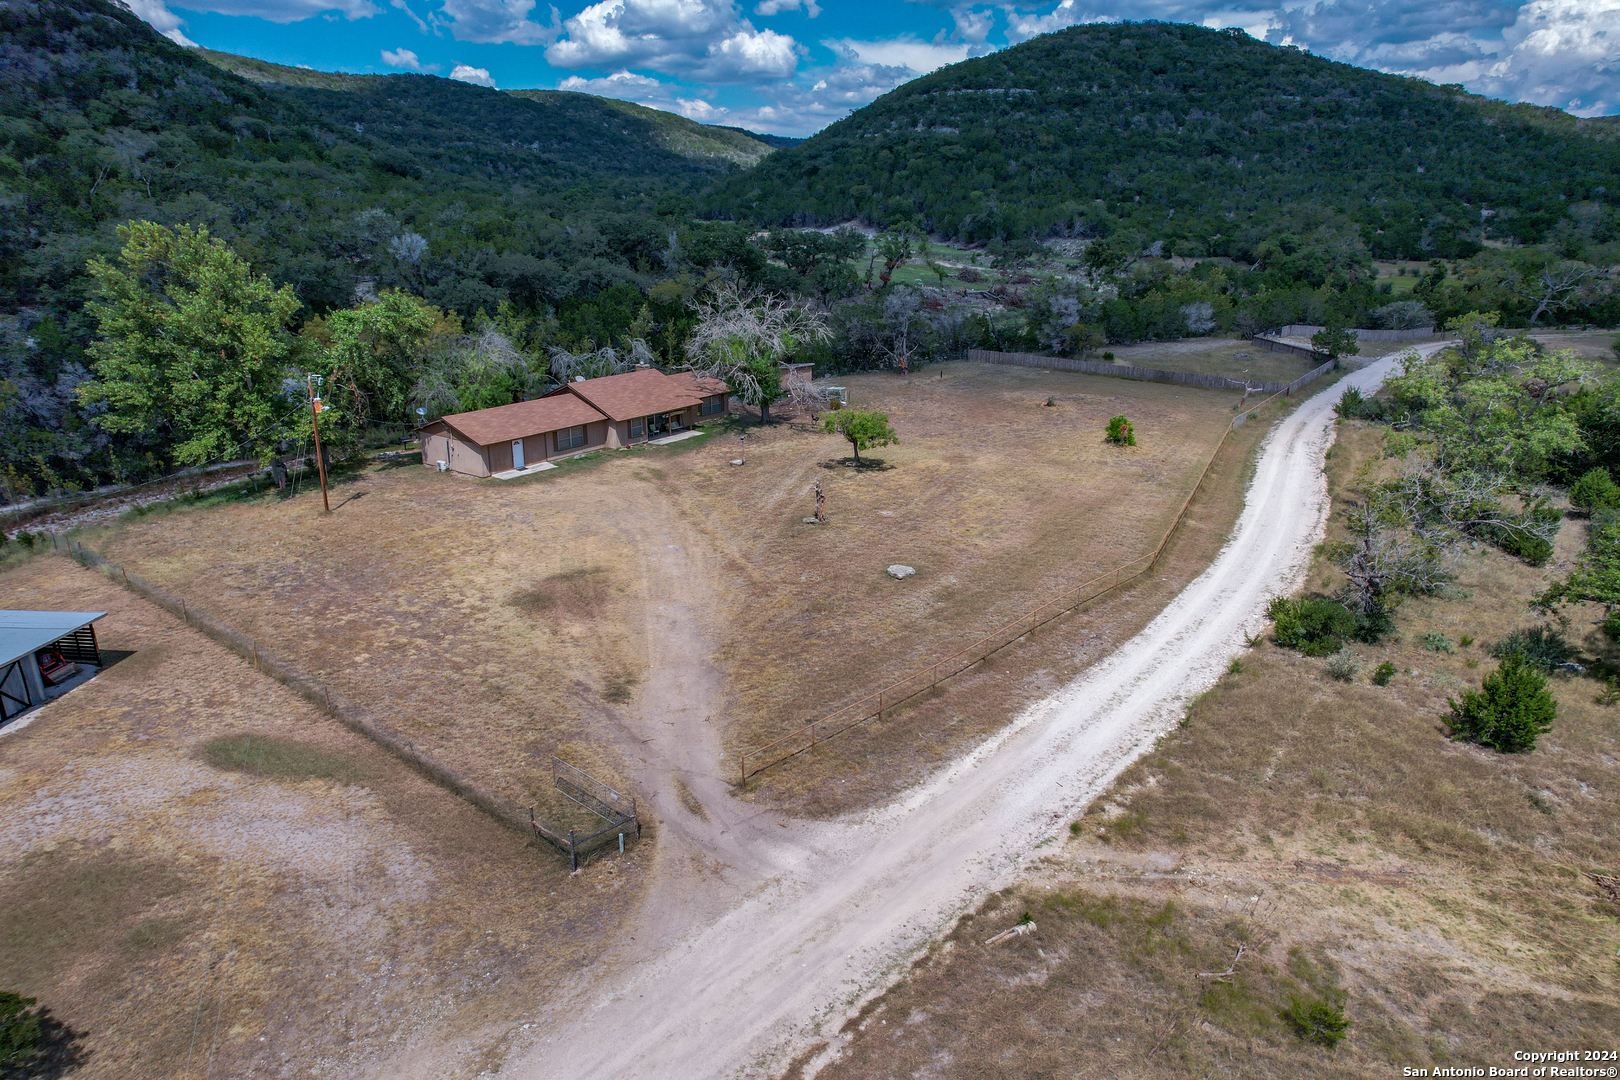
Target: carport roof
23, 632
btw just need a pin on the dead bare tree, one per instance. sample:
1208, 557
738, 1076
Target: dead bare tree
1558, 286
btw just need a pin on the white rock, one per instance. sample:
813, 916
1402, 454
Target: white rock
736, 461
898, 572
810, 521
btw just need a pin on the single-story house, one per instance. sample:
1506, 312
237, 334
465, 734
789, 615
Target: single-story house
646, 404
588, 414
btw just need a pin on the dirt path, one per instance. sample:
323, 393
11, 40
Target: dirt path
775, 976
712, 848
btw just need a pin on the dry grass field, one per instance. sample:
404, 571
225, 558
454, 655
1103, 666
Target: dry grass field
203, 876
494, 623
1233, 357
1440, 891
1596, 345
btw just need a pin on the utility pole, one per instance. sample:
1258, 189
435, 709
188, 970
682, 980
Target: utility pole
315, 422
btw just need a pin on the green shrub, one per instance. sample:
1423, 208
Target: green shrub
1438, 643
1342, 666
1121, 432
1595, 490
1383, 673
19, 1028
1511, 533
1313, 625
1353, 405
1317, 1020
1611, 625
1511, 708
26, 539
1541, 647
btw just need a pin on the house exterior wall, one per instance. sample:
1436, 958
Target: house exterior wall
464, 457
500, 456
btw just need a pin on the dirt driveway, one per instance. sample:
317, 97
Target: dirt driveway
777, 975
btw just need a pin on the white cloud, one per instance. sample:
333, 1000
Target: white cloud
776, 7
162, 20
622, 84
701, 40
402, 58
919, 57
421, 24
476, 76
1021, 26
280, 11
972, 24
1551, 52
498, 22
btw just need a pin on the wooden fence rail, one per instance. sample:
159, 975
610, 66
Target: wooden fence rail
872, 707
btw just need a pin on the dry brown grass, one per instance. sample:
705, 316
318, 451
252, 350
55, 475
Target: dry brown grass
496, 623
205, 876
1443, 889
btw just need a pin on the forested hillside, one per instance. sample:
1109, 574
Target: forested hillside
1196, 137
571, 124
466, 196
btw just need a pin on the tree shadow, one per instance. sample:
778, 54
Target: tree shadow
350, 499
59, 1052
865, 464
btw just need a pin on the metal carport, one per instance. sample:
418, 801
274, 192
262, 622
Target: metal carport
23, 634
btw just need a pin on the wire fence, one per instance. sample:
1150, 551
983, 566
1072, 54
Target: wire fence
612, 806
872, 707
315, 692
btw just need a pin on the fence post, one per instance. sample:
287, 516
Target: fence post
635, 813
573, 855
742, 768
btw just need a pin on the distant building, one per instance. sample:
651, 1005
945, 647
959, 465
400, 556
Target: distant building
587, 414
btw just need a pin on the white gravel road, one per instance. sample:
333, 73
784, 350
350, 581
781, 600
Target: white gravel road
857, 900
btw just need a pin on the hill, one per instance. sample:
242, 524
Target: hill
1206, 139
465, 195
574, 114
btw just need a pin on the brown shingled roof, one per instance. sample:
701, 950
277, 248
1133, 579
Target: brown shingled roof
641, 392
519, 421
700, 386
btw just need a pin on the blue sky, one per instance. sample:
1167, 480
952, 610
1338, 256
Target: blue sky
793, 66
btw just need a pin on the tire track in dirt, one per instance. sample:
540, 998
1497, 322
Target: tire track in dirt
852, 902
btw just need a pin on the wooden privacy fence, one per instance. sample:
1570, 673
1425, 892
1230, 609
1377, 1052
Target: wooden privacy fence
872, 707
1127, 371
321, 696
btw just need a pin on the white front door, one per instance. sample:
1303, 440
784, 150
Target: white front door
517, 453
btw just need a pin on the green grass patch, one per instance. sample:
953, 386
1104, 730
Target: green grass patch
282, 759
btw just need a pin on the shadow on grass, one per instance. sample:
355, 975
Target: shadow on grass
59, 1052
865, 464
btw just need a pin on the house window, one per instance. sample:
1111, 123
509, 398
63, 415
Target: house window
638, 427
568, 438
712, 405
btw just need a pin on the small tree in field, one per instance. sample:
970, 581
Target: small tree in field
1508, 711
1335, 341
864, 430
1595, 490
1121, 432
